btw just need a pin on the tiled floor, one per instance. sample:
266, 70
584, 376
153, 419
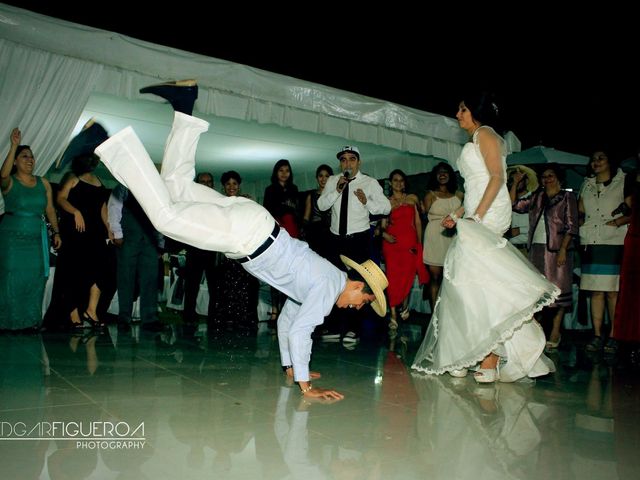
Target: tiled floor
223, 410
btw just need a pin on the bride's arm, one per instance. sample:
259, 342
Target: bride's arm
491, 151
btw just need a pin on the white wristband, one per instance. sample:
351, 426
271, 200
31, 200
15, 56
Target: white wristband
476, 218
454, 217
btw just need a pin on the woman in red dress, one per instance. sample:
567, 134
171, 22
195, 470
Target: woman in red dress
402, 246
626, 325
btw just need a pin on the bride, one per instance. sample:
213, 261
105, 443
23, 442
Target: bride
483, 318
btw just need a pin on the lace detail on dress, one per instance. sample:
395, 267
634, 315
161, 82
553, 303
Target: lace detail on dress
501, 141
490, 291
545, 300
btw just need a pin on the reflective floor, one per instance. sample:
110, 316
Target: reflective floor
138, 404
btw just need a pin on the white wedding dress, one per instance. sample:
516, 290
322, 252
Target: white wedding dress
489, 291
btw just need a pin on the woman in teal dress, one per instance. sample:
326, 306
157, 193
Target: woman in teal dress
24, 248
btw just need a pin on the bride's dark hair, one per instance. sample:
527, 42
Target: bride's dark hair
484, 108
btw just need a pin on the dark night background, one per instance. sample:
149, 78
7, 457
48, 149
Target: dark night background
561, 82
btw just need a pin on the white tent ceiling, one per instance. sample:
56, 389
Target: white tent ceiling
57, 74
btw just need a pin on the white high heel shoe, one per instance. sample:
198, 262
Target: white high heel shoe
459, 373
486, 375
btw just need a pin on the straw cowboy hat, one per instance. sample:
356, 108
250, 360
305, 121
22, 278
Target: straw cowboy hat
376, 280
532, 176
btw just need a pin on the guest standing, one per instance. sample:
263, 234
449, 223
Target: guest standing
352, 197
553, 224
602, 236
402, 247
24, 261
442, 198
83, 267
138, 249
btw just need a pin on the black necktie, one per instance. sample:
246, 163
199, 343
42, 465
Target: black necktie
344, 206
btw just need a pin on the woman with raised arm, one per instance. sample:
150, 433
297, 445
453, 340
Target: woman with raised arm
24, 247
553, 224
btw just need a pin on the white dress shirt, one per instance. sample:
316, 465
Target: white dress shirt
357, 213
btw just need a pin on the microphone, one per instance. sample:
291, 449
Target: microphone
346, 174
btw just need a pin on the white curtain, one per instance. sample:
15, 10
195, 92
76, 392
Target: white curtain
43, 94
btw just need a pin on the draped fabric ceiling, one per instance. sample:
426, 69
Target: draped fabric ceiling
56, 75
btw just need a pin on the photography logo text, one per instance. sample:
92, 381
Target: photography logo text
86, 435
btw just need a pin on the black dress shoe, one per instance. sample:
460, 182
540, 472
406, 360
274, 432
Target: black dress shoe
92, 135
181, 94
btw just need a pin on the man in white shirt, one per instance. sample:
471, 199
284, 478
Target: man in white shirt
362, 196
139, 246
245, 231
367, 196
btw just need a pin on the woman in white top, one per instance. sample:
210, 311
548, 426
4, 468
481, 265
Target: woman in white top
602, 235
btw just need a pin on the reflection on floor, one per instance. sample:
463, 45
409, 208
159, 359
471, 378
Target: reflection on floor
139, 404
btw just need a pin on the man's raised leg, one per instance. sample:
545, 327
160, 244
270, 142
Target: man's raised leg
179, 162
195, 223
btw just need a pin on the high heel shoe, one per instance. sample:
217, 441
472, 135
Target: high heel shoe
405, 313
393, 324
181, 94
90, 321
486, 375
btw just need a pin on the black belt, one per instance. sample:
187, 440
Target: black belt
261, 249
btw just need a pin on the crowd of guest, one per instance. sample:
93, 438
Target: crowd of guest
591, 228
105, 243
